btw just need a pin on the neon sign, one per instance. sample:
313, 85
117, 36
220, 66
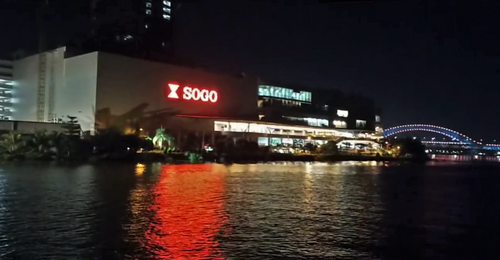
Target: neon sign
191, 93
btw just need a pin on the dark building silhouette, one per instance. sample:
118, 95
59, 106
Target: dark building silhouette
139, 28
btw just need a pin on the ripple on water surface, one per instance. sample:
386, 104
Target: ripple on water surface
259, 211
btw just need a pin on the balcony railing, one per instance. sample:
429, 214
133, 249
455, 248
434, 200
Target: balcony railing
5, 112
5, 94
6, 103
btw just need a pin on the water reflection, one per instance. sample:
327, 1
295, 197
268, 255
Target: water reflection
263, 211
140, 169
301, 210
42, 208
188, 213
5, 240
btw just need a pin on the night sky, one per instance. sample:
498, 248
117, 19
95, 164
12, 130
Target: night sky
427, 61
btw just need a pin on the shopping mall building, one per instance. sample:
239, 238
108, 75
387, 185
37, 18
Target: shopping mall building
106, 90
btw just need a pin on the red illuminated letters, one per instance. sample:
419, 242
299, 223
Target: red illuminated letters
191, 93
200, 94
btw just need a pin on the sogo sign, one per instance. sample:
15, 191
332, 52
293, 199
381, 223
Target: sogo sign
190, 93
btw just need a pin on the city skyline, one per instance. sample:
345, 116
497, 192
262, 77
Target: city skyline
407, 56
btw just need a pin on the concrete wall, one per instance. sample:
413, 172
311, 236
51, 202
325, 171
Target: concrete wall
25, 89
76, 97
70, 88
125, 83
26, 75
36, 126
29, 127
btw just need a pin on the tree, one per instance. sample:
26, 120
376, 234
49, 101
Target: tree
409, 146
12, 145
413, 147
310, 147
329, 148
72, 126
191, 142
40, 142
161, 137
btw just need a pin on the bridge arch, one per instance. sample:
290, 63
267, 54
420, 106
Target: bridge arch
454, 135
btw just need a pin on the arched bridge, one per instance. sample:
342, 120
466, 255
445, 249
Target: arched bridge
455, 136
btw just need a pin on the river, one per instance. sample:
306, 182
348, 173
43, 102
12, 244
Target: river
348, 210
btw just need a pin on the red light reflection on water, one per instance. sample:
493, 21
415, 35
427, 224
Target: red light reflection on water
189, 213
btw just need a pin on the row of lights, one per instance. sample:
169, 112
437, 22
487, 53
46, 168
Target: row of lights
419, 128
434, 131
459, 143
431, 126
438, 142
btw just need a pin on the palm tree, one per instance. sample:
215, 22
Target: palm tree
40, 142
161, 137
12, 144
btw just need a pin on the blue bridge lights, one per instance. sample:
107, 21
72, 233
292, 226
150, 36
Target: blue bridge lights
455, 136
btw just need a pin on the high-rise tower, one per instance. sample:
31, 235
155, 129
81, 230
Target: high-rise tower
132, 27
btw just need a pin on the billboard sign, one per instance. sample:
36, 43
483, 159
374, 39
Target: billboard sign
175, 91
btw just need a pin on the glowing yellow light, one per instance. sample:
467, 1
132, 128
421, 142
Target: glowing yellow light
140, 169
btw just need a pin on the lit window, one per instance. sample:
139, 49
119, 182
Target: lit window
309, 121
167, 3
342, 113
148, 4
377, 119
166, 10
146, 26
284, 93
360, 123
263, 141
339, 124
148, 11
166, 16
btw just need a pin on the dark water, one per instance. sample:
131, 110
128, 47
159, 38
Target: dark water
263, 211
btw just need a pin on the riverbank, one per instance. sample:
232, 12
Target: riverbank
271, 157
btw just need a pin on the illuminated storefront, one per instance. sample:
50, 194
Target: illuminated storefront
356, 146
255, 127
279, 129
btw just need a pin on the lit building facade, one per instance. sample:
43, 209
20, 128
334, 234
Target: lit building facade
108, 90
6, 86
317, 107
104, 89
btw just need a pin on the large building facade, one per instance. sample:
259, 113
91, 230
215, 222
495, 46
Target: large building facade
316, 107
106, 90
